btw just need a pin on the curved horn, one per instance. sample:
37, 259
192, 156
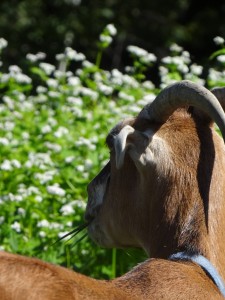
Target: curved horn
184, 93
219, 92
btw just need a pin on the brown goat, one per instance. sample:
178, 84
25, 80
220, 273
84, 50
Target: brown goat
163, 191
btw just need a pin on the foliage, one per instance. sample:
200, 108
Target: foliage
49, 26
53, 124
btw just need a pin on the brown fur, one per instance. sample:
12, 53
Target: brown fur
175, 203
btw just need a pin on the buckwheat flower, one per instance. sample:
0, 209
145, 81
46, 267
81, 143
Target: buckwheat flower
125, 96
88, 164
62, 234
38, 198
70, 53
21, 211
111, 29
60, 57
47, 68
67, 209
149, 58
45, 177
137, 51
80, 168
75, 100
105, 38
41, 89
14, 69
79, 57
16, 226
52, 146
130, 81
175, 48
41, 55
54, 225
9, 102
6, 165
2, 220
69, 159
221, 58
56, 190
87, 64
3, 43
4, 141
52, 83
46, 129
218, 40
43, 223
42, 234
54, 94
79, 204
196, 69
106, 90
89, 93
16, 164
31, 57
74, 81
22, 78
61, 131
148, 85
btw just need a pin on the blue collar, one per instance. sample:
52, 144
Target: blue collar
205, 264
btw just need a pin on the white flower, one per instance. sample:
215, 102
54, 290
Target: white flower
21, 211
175, 48
44, 177
75, 100
56, 190
43, 223
107, 90
61, 131
218, 40
4, 141
52, 146
74, 81
67, 209
41, 89
31, 57
52, 83
221, 58
47, 68
16, 226
148, 85
80, 168
149, 58
15, 163
14, 69
62, 234
89, 93
3, 43
46, 129
38, 198
196, 69
105, 38
6, 165
127, 97
2, 219
111, 29
137, 51
69, 159
42, 234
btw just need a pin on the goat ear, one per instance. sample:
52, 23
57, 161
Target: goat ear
129, 137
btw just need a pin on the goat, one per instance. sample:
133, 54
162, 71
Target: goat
163, 190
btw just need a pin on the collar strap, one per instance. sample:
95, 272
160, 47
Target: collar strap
205, 264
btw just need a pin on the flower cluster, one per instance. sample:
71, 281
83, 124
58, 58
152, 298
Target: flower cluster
52, 136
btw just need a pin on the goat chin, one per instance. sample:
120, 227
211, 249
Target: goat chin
163, 190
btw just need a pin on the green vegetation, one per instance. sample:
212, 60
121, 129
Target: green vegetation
53, 124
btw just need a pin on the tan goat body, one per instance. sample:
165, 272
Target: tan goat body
164, 191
